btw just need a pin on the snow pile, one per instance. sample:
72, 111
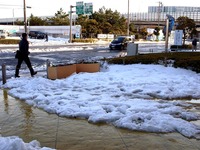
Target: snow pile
51, 41
131, 96
15, 143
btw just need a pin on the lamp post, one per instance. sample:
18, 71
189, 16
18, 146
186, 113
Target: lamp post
70, 30
167, 35
13, 11
160, 5
28, 20
128, 20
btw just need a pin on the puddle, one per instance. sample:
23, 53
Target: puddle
29, 123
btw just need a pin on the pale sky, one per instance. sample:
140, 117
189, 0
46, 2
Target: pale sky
10, 8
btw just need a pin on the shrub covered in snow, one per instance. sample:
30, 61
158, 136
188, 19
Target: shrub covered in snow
186, 60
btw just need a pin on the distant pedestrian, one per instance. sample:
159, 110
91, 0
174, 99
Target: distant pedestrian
194, 44
23, 56
47, 37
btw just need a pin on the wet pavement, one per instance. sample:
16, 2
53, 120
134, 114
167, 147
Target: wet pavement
29, 123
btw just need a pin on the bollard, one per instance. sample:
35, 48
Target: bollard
165, 62
124, 62
4, 73
47, 65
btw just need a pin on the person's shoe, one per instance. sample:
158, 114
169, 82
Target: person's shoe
17, 76
34, 73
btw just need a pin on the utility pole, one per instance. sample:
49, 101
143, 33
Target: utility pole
128, 20
25, 22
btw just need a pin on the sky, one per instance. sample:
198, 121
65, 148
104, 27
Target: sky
10, 8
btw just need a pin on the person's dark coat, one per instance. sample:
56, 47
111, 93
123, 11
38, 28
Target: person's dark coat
194, 42
24, 47
23, 56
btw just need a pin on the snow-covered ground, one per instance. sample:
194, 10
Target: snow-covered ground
52, 41
15, 143
137, 97
130, 96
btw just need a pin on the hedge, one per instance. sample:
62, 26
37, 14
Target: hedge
9, 41
174, 47
186, 60
84, 40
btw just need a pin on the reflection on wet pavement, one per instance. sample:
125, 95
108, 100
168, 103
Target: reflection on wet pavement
29, 123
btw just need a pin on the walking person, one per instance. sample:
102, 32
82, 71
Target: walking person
23, 56
47, 37
194, 45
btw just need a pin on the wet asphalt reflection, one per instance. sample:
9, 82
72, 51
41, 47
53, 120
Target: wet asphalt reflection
29, 123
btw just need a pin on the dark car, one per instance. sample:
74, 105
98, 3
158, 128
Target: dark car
37, 34
120, 43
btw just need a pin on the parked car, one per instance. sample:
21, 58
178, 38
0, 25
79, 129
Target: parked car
120, 43
37, 34
19, 34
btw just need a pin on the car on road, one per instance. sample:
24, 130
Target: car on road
37, 34
120, 43
3, 33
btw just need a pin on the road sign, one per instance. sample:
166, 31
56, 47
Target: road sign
79, 8
77, 35
88, 8
178, 37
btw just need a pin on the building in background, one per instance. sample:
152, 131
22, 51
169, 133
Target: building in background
175, 11
156, 16
158, 13
55, 31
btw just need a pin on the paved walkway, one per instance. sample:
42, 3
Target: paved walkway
29, 123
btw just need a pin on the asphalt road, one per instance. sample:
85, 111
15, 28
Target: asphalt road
55, 46
55, 55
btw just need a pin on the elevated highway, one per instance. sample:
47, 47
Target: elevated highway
141, 22
153, 24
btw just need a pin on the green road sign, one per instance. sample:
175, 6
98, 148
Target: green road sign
88, 8
79, 8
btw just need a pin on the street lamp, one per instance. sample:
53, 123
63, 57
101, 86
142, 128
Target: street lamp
160, 5
13, 12
70, 30
167, 35
128, 20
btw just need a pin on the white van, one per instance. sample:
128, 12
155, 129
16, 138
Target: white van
3, 34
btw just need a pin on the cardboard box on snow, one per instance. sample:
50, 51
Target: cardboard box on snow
59, 72
95, 67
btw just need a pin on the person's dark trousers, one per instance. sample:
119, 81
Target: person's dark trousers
28, 63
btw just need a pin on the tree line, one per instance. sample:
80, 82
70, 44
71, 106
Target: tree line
106, 21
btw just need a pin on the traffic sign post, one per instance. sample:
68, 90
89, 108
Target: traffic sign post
84, 8
88, 8
178, 37
79, 8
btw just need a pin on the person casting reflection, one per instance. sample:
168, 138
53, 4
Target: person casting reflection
23, 56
